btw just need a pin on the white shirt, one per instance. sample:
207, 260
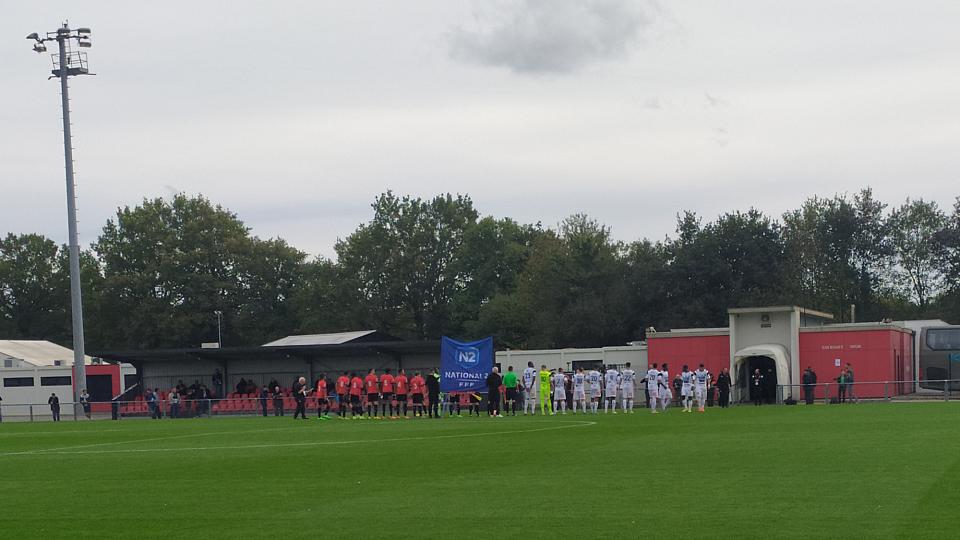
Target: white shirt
559, 380
529, 377
687, 378
628, 377
594, 379
612, 378
578, 380
702, 376
665, 378
652, 375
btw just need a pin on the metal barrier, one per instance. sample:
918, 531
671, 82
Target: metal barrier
837, 393
820, 393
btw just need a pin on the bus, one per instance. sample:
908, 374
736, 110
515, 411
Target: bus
939, 352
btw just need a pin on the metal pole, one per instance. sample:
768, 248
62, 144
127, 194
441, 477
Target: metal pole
76, 301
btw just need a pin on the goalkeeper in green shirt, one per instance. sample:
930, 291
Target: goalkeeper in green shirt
510, 383
545, 402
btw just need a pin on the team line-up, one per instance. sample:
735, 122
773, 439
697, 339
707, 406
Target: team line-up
543, 386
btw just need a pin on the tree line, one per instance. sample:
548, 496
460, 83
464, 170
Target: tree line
422, 268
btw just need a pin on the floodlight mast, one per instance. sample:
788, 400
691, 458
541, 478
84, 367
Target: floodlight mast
70, 64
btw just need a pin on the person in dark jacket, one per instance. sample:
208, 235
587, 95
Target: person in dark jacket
494, 380
54, 403
809, 381
723, 385
757, 385
300, 396
264, 397
277, 401
433, 393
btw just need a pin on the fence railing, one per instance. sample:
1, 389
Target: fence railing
836, 392
192, 408
820, 393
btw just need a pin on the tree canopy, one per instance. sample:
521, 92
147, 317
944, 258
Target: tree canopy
422, 268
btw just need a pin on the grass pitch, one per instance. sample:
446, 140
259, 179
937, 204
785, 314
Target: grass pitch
858, 471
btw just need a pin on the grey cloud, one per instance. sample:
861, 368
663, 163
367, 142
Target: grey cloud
540, 36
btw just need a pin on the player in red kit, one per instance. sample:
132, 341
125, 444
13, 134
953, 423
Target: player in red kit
323, 404
356, 390
372, 384
416, 388
343, 394
386, 393
402, 389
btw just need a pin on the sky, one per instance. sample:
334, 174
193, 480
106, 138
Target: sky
297, 114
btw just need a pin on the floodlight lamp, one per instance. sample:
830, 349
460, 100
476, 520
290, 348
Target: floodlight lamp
40, 48
83, 30
33, 36
84, 43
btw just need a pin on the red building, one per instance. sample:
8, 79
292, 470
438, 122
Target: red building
784, 341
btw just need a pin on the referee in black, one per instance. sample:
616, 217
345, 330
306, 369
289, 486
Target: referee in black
494, 381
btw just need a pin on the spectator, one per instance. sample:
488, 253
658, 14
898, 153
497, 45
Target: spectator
677, 386
850, 381
273, 383
174, 398
85, 402
809, 381
723, 385
277, 401
264, 396
218, 381
494, 380
157, 404
433, 394
241, 387
1, 409
54, 403
842, 386
203, 399
757, 385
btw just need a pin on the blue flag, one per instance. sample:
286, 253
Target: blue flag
465, 366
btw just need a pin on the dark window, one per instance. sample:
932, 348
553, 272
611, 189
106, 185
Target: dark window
10, 382
943, 339
56, 381
8, 363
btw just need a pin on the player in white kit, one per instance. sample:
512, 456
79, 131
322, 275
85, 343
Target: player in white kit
627, 380
686, 388
579, 394
559, 392
702, 379
611, 380
652, 387
593, 378
663, 385
530, 388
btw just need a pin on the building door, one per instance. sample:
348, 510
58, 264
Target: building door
100, 388
745, 369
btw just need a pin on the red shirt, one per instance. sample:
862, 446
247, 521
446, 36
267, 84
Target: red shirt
342, 384
416, 384
322, 388
402, 384
386, 383
356, 386
371, 381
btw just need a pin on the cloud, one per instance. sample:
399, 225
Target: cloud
543, 36
714, 101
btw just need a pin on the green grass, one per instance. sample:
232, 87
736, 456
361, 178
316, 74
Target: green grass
858, 471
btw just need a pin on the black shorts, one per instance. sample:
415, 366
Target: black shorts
387, 396
343, 398
355, 399
373, 397
511, 394
401, 398
418, 399
321, 400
